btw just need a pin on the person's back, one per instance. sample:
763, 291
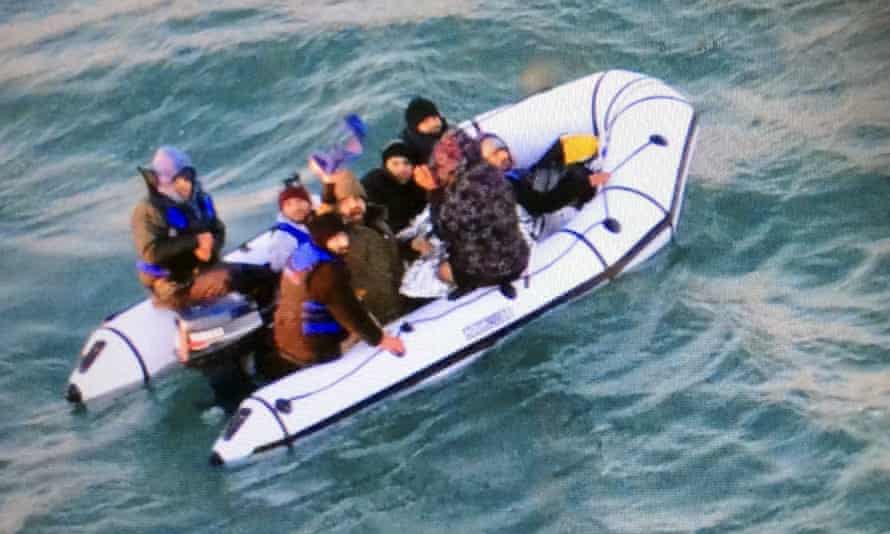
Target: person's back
376, 266
475, 214
373, 259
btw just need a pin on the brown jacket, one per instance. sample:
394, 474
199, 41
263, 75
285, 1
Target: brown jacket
328, 284
160, 244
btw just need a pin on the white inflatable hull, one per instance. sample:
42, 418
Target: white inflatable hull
648, 130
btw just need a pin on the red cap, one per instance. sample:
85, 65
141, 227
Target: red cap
293, 191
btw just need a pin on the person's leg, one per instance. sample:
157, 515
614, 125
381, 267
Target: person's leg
256, 281
465, 283
209, 285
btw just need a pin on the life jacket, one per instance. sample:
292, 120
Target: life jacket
578, 148
177, 219
299, 235
316, 319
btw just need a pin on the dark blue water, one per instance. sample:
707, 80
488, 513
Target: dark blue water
738, 383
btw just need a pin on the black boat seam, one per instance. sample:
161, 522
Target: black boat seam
146, 378
636, 192
611, 124
587, 242
596, 90
618, 95
274, 413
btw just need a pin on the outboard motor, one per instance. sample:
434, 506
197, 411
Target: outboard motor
224, 339
208, 329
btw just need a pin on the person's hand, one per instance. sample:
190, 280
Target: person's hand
210, 285
445, 273
423, 177
599, 178
204, 251
318, 171
422, 246
392, 344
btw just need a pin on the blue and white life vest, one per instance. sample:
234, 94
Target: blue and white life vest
179, 222
316, 318
176, 217
293, 231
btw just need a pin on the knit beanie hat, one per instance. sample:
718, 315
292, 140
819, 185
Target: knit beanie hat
418, 109
323, 227
397, 147
293, 191
347, 185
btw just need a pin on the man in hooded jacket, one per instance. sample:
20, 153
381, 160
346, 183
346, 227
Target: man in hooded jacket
178, 236
424, 126
392, 186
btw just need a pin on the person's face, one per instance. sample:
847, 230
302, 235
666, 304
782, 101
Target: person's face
430, 125
352, 209
443, 168
182, 186
338, 244
400, 167
296, 209
496, 154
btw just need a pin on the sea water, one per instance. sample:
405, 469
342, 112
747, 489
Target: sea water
739, 382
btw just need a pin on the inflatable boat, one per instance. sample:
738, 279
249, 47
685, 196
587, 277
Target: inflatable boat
647, 133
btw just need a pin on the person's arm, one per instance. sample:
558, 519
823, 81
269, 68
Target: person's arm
537, 203
150, 234
218, 229
330, 285
575, 185
328, 198
374, 191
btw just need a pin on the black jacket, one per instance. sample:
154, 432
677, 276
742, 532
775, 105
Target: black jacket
423, 144
573, 187
403, 202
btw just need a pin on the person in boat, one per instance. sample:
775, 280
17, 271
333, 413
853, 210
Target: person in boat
561, 178
374, 259
424, 126
473, 209
178, 236
317, 308
392, 185
295, 206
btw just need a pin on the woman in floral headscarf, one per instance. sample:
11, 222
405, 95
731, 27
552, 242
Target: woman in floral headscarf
474, 212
